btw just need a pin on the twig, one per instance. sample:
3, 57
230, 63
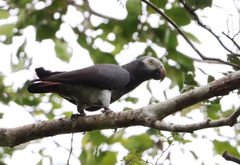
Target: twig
229, 121
238, 15
230, 157
91, 11
163, 153
236, 34
208, 29
232, 40
71, 149
190, 11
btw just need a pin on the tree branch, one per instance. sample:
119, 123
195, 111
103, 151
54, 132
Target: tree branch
219, 87
234, 42
194, 15
230, 157
150, 116
229, 121
186, 38
91, 11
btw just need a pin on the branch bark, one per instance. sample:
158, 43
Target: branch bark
229, 157
150, 116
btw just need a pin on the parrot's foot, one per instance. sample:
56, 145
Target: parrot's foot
107, 111
73, 116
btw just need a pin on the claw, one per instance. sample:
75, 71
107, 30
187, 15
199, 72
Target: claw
73, 116
107, 111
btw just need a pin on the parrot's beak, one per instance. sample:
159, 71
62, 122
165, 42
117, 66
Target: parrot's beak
163, 73
159, 74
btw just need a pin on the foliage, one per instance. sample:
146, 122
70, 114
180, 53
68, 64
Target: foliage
156, 37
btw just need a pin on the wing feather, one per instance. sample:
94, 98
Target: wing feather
106, 76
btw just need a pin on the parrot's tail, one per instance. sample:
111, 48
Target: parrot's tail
43, 87
42, 73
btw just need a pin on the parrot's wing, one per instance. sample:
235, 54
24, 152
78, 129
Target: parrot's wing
105, 76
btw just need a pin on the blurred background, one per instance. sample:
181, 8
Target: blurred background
72, 34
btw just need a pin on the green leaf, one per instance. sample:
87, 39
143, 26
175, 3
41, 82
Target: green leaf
62, 50
233, 59
133, 7
45, 24
138, 143
213, 111
229, 112
220, 147
99, 57
2, 163
185, 63
22, 3
109, 157
149, 51
189, 79
189, 82
192, 37
199, 4
157, 34
179, 15
133, 159
175, 75
133, 100
152, 131
22, 59
96, 138
190, 108
24, 98
170, 39
187, 88
7, 29
116, 137
56, 101
174, 71
210, 78
4, 14
159, 3
194, 155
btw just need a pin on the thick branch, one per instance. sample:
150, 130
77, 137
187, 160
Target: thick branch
218, 87
150, 116
15, 136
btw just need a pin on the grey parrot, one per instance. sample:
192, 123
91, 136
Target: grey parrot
97, 86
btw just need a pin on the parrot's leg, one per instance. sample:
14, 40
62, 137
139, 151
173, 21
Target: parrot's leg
105, 98
80, 109
106, 110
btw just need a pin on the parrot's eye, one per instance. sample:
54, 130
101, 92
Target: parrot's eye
151, 61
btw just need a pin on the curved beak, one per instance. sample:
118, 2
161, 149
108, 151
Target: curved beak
159, 74
163, 73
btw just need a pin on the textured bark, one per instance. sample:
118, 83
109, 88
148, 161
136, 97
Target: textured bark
150, 116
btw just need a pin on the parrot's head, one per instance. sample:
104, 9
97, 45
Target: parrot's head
154, 66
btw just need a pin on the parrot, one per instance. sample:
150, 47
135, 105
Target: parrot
97, 86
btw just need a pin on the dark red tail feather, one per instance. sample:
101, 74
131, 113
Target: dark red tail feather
43, 87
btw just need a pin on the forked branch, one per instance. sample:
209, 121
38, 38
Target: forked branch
186, 38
